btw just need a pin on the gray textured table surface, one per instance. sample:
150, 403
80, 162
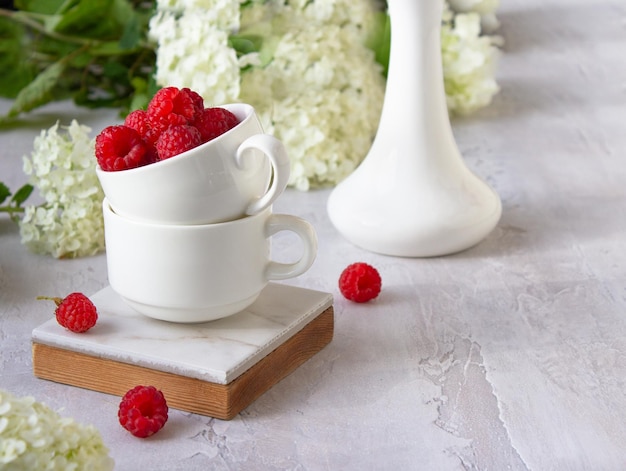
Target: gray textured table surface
511, 355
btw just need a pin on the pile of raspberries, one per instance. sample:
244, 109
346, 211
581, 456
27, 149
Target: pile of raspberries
174, 122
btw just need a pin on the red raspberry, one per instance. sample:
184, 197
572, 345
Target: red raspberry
120, 148
75, 312
215, 121
198, 101
138, 120
143, 411
360, 282
176, 140
173, 107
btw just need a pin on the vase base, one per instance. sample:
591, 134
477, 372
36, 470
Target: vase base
392, 230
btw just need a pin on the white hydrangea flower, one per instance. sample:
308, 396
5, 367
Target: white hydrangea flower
322, 93
193, 51
323, 102
485, 8
62, 168
34, 437
469, 61
221, 13
295, 14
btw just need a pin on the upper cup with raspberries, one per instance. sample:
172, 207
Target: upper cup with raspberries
175, 121
179, 162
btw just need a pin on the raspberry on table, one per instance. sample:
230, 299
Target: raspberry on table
143, 411
176, 140
120, 148
75, 312
171, 106
360, 282
215, 121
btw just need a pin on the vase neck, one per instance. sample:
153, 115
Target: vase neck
414, 125
423, 14
415, 78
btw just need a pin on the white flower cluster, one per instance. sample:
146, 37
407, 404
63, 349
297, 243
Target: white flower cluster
62, 167
192, 44
34, 437
322, 92
469, 60
485, 8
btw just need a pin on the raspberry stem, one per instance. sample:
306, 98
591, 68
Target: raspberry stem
56, 299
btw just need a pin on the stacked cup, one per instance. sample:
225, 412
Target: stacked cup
188, 238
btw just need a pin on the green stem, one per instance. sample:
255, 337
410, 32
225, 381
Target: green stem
11, 209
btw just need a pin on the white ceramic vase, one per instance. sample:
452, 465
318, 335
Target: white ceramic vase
413, 196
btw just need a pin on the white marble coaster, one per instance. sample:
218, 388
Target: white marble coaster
217, 351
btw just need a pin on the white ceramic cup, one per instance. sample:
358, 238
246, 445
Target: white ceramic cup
198, 273
239, 173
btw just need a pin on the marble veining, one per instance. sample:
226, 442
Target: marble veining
217, 351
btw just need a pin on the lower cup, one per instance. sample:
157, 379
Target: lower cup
199, 273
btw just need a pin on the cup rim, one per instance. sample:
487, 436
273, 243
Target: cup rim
248, 110
108, 208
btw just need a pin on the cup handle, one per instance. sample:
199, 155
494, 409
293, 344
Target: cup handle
277, 155
304, 230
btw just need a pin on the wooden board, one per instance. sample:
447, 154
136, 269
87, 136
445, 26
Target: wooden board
222, 401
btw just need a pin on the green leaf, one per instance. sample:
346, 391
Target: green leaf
10, 30
50, 22
245, 43
139, 101
44, 7
87, 18
124, 14
379, 40
79, 60
4, 192
49, 49
22, 194
268, 49
39, 91
17, 71
144, 90
132, 33
115, 71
